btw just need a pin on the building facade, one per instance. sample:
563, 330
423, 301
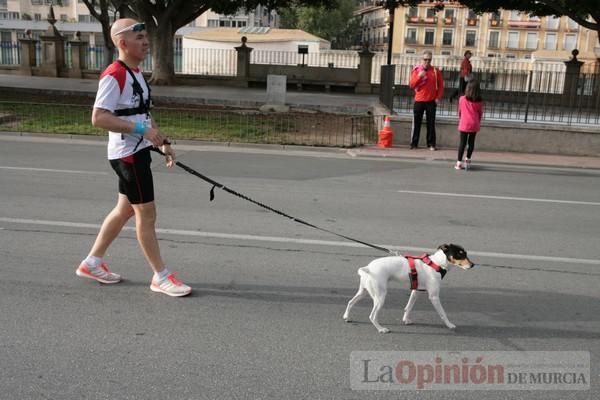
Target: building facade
455, 29
72, 15
374, 24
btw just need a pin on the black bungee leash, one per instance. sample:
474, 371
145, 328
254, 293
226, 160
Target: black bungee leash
242, 196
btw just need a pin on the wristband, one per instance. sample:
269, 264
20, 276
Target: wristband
166, 142
139, 129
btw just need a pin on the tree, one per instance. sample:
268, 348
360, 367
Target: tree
164, 17
585, 12
340, 26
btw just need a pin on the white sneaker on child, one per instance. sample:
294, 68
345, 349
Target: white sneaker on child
458, 165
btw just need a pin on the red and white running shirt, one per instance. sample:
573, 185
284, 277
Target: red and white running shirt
115, 92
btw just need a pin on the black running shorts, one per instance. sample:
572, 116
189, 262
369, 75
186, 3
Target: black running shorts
135, 176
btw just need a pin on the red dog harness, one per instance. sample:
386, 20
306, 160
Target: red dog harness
414, 281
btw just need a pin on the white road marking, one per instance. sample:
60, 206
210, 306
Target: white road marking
68, 171
482, 196
298, 241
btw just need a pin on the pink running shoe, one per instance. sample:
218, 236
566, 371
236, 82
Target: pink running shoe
100, 274
171, 286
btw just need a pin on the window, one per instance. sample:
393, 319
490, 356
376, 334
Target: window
64, 17
413, 12
515, 15
495, 16
570, 41
552, 22
550, 42
513, 40
531, 40
431, 12
446, 53
447, 37
9, 15
85, 18
3, 4
213, 22
494, 40
411, 36
429, 36
470, 38
572, 25
449, 13
471, 15
37, 17
411, 51
511, 56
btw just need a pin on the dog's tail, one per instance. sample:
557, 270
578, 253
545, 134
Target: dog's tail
366, 281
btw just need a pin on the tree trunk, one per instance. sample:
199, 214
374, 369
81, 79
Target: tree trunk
163, 53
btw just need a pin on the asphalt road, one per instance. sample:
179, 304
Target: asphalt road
264, 321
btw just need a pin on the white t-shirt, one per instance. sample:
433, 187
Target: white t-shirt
115, 92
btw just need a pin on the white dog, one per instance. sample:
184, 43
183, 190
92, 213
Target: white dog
429, 271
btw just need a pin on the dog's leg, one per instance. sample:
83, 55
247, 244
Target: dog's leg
362, 292
409, 306
378, 301
434, 297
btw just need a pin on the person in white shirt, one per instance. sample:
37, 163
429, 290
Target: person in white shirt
122, 107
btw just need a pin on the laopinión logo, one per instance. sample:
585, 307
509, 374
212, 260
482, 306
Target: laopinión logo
470, 370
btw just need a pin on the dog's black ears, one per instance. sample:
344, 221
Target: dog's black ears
444, 247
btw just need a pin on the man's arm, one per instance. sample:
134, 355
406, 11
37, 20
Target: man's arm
107, 120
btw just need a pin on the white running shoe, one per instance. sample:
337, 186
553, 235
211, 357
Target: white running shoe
171, 286
100, 274
458, 165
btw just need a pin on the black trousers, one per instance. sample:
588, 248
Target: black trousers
420, 108
462, 85
466, 137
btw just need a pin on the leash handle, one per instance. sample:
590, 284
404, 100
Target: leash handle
244, 197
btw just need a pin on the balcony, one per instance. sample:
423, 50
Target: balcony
472, 21
421, 21
495, 22
449, 21
524, 24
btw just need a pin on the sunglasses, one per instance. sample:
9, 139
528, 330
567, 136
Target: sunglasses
137, 27
427, 59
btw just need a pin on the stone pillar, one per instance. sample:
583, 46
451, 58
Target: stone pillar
78, 56
571, 79
364, 71
28, 59
243, 62
53, 50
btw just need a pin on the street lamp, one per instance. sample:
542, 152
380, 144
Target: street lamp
390, 6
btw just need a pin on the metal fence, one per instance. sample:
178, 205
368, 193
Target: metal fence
521, 91
324, 58
240, 126
517, 90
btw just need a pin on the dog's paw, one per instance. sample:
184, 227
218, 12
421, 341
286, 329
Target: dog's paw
383, 330
407, 321
450, 325
347, 319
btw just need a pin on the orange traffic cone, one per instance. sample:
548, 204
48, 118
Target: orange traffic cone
386, 135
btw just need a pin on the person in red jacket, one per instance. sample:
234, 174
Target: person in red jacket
470, 111
428, 84
465, 74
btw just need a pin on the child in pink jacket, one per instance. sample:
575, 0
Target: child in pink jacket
470, 111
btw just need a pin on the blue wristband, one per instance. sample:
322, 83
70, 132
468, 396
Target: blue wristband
139, 129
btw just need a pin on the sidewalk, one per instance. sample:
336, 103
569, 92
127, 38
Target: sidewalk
209, 95
229, 96
450, 155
